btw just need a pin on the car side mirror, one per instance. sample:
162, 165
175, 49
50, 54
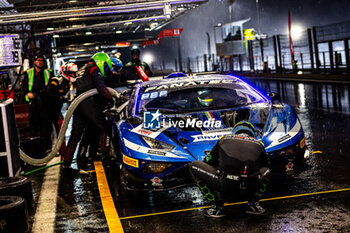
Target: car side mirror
274, 96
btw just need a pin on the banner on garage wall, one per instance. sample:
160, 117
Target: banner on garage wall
170, 32
10, 50
164, 33
150, 42
123, 44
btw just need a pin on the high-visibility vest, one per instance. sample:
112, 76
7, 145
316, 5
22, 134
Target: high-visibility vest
30, 73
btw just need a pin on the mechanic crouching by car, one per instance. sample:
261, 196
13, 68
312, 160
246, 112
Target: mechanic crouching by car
89, 113
237, 166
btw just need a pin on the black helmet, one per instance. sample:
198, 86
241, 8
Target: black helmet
38, 56
135, 51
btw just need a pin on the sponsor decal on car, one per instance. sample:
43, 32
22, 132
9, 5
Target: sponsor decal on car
285, 137
210, 136
156, 181
130, 161
289, 167
156, 152
189, 83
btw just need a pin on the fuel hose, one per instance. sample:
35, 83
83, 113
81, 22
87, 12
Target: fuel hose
60, 138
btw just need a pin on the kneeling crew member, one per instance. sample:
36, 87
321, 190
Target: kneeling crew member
237, 164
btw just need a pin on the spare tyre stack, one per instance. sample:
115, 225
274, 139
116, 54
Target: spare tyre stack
15, 193
13, 214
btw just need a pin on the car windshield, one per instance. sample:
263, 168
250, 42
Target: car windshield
197, 98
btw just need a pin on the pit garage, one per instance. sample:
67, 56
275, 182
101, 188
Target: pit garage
309, 193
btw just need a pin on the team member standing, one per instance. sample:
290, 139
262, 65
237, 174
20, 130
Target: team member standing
237, 165
89, 112
130, 72
34, 81
52, 99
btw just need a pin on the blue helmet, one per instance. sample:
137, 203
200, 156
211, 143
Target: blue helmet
245, 127
117, 62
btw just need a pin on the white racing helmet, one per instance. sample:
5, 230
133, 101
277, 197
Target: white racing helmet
69, 71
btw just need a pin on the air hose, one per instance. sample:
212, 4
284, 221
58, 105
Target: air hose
60, 138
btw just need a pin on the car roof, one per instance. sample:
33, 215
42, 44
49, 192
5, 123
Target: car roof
196, 78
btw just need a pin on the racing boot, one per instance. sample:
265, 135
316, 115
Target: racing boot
215, 211
255, 208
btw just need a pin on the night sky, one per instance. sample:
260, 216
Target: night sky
273, 16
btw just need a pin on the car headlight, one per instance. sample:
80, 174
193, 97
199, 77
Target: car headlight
155, 144
156, 168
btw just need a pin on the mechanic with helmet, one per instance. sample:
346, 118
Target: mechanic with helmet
114, 78
34, 81
52, 99
89, 112
237, 166
130, 71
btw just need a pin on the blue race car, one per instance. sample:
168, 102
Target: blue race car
172, 122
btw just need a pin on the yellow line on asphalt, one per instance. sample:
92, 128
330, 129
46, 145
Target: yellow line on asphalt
109, 209
237, 203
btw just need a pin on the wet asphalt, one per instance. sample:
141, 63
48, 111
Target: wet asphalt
324, 110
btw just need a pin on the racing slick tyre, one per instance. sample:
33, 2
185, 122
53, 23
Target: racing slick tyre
13, 214
16, 186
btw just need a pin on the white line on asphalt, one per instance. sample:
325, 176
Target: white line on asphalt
45, 216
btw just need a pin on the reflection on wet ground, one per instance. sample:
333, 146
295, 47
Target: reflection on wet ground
324, 110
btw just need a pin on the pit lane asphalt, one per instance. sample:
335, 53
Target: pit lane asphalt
324, 110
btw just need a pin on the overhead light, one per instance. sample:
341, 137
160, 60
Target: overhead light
147, 29
59, 54
148, 58
75, 26
72, 19
72, 1
134, 47
219, 25
128, 23
96, 47
297, 31
152, 25
56, 36
119, 32
50, 29
88, 33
